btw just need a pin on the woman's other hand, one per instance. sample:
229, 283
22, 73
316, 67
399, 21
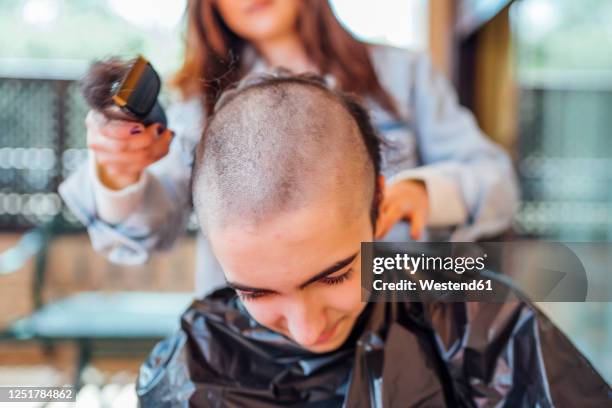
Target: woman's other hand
405, 200
123, 149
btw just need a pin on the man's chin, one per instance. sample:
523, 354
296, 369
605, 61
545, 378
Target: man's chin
324, 348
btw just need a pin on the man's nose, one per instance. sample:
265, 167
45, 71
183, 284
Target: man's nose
305, 320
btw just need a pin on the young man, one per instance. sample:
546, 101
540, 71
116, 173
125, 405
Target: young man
286, 186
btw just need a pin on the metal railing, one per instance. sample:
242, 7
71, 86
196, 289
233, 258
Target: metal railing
565, 156
565, 152
42, 140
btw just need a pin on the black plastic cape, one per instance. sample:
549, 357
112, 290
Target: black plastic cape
399, 355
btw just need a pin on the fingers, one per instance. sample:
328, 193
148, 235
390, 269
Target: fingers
135, 156
123, 149
405, 200
418, 220
381, 227
136, 142
119, 137
112, 128
387, 220
121, 130
161, 145
388, 217
123, 159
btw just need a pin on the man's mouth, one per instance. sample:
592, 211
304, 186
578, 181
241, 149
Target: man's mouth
328, 334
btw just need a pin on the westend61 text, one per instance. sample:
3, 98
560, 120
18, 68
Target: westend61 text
431, 285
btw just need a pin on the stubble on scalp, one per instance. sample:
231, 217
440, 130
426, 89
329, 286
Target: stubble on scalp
280, 147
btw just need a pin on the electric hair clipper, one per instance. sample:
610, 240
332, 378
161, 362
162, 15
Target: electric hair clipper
131, 86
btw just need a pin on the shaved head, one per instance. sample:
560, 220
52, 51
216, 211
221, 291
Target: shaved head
277, 144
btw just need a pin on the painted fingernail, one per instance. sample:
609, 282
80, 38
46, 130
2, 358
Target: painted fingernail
135, 130
160, 130
172, 133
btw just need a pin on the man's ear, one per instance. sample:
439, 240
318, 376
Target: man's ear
381, 191
377, 203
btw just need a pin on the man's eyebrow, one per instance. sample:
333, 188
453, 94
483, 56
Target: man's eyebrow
243, 288
327, 271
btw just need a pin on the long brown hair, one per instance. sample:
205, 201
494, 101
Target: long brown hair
213, 51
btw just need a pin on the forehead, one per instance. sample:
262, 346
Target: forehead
285, 251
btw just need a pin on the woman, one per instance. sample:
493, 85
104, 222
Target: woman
442, 172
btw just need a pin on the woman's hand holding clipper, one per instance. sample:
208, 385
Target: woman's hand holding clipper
124, 149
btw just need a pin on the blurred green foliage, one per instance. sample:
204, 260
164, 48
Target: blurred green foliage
85, 30
560, 34
564, 34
